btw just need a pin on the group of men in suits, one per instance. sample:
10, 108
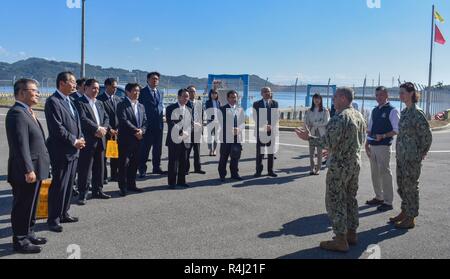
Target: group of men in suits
79, 126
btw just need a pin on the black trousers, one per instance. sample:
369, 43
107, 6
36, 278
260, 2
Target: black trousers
225, 153
197, 164
128, 165
23, 214
60, 192
260, 156
177, 164
91, 169
153, 140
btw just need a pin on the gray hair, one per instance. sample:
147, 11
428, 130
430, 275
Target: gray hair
22, 83
266, 89
347, 92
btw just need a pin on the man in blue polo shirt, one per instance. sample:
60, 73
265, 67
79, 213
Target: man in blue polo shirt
383, 126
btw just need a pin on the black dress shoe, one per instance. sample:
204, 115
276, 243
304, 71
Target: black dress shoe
272, 174
172, 187
258, 174
237, 177
200, 172
142, 176
101, 196
375, 202
27, 249
135, 189
56, 228
185, 185
123, 192
385, 207
82, 202
69, 219
160, 172
222, 179
38, 240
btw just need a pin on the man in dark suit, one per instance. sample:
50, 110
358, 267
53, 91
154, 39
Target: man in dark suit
153, 100
196, 107
132, 128
64, 144
28, 165
233, 124
95, 126
264, 112
110, 101
80, 90
179, 122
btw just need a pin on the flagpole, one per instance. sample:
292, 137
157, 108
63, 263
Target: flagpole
83, 40
428, 109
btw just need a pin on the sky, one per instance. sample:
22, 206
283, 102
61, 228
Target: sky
313, 40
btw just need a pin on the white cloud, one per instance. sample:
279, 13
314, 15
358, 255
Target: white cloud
136, 40
3, 52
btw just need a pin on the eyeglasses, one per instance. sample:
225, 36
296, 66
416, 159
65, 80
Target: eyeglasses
33, 90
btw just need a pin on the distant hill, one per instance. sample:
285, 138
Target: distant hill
45, 70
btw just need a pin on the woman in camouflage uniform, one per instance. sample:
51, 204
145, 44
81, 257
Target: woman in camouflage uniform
413, 143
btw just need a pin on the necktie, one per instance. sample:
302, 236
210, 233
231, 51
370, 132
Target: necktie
70, 106
33, 114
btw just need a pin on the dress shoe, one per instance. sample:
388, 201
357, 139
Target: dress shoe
172, 187
56, 228
237, 177
142, 176
272, 174
185, 185
135, 189
385, 207
312, 173
27, 249
256, 175
69, 219
200, 172
101, 196
82, 202
375, 201
123, 192
38, 240
222, 179
160, 172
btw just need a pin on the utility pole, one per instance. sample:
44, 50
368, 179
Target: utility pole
428, 109
83, 39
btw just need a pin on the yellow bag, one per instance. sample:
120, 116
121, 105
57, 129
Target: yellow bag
112, 149
42, 207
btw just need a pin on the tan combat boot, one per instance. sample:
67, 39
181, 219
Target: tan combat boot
398, 218
352, 237
406, 224
338, 244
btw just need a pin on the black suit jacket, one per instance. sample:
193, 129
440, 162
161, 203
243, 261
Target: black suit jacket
27, 150
89, 125
64, 129
153, 108
224, 115
111, 109
175, 120
128, 124
258, 106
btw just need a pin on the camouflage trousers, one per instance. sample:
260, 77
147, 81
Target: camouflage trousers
408, 174
340, 199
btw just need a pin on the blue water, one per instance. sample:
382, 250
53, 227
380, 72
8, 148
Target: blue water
285, 99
